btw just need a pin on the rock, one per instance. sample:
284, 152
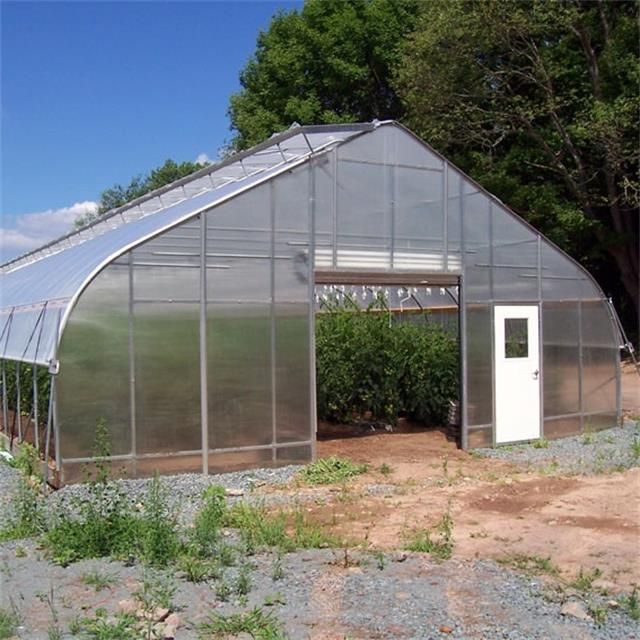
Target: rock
613, 604
401, 557
575, 610
234, 493
128, 606
445, 629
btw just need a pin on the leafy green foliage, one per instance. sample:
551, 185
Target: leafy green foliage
538, 101
27, 519
259, 528
331, 470
209, 519
99, 580
257, 623
631, 604
330, 62
366, 363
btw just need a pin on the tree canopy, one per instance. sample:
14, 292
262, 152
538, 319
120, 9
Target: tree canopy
536, 100
330, 62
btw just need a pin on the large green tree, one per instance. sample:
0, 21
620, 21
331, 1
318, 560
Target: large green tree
539, 101
330, 62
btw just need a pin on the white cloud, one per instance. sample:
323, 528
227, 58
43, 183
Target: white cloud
32, 230
203, 158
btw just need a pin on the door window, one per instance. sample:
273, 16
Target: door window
516, 341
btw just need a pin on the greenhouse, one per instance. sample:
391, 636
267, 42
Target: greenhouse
184, 321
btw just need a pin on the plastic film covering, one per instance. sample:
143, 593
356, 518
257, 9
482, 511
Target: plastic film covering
167, 377
599, 359
561, 358
60, 270
239, 375
93, 384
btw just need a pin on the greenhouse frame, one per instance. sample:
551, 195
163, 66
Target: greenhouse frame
184, 320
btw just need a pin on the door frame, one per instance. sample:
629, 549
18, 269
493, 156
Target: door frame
518, 303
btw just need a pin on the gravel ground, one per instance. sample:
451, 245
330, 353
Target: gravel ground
318, 597
8, 483
588, 454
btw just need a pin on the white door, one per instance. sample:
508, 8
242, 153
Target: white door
517, 363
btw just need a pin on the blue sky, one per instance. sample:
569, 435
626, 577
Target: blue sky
96, 92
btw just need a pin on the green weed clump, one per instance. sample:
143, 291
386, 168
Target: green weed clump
260, 529
257, 623
28, 517
631, 604
331, 470
438, 543
209, 519
10, 620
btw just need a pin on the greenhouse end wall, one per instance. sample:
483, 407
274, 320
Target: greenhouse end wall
201, 339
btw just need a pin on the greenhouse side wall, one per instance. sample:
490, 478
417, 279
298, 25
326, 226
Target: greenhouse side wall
131, 350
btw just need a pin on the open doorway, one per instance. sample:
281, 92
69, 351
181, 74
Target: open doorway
387, 351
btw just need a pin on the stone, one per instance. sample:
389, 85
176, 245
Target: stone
575, 610
128, 606
401, 557
445, 629
613, 604
234, 493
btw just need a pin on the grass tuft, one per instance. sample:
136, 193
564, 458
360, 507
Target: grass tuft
331, 470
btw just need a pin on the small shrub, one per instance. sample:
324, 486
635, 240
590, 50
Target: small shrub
210, 518
156, 591
101, 626
438, 543
541, 443
197, 569
27, 461
635, 448
331, 470
223, 590
157, 537
243, 580
226, 555
257, 623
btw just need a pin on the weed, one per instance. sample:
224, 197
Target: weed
598, 613
257, 623
272, 600
277, 572
198, 569
21, 552
156, 591
28, 518
226, 554
531, 564
635, 448
541, 443
54, 632
331, 470
243, 580
99, 580
158, 536
10, 620
223, 590
380, 560
209, 519
101, 627
631, 604
441, 546
27, 461
584, 580
386, 469
588, 438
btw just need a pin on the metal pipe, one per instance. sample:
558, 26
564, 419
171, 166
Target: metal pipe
48, 429
132, 367
204, 396
313, 418
445, 215
462, 323
18, 411
272, 320
580, 368
5, 408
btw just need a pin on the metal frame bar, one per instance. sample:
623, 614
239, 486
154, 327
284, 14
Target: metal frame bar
132, 364
464, 374
204, 395
313, 407
272, 319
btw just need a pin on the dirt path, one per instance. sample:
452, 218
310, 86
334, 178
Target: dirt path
497, 510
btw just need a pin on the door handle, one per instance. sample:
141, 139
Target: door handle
535, 374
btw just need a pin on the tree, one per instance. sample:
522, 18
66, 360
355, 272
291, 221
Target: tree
331, 62
118, 194
539, 102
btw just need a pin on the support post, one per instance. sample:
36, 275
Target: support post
204, 399
132, 372
36, 435
47, 442
18, 411
5, 409
272, 320
462, 298
313, 419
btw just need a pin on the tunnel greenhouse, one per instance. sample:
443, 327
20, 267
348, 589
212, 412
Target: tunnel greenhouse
184, 320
